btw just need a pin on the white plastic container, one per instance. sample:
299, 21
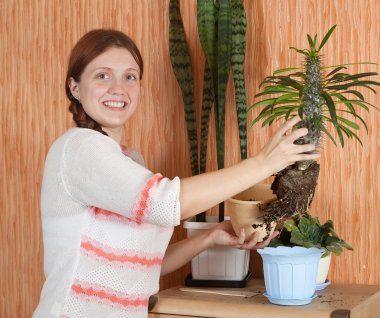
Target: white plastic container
218, 263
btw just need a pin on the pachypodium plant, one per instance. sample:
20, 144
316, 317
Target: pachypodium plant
321, 96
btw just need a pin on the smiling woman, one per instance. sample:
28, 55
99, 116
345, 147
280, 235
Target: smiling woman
98, 201
106, 219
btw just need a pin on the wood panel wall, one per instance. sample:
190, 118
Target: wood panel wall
36, 38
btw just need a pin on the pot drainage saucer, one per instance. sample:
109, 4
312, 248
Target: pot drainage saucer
323, 285
290, 302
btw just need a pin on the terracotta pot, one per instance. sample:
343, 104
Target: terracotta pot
244, 210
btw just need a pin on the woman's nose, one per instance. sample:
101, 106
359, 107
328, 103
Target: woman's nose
116, 87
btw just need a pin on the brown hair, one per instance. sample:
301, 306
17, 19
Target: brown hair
91, 45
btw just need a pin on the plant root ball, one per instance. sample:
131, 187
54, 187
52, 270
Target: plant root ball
295, 190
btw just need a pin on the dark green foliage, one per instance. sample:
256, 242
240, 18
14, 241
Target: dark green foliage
224, 64
238, 20
207, 102
207, 17
181, 62
306, 231
221, 30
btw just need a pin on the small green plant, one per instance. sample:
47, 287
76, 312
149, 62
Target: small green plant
307, 231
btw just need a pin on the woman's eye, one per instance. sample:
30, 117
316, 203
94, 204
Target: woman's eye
131, 77
103, 76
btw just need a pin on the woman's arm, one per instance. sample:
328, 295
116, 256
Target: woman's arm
178, 254
94, 172
200, 193
181, 252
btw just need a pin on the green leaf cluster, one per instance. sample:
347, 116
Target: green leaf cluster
307, 231
221, 29
339, 94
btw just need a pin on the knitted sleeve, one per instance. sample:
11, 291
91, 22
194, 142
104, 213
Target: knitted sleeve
95, 172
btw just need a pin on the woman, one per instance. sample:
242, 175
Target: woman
107, 220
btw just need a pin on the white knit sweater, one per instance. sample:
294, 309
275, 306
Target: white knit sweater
100, 263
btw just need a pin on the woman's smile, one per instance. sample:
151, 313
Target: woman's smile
115, 105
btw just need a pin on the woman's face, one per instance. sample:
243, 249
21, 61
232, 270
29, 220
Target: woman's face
109, 88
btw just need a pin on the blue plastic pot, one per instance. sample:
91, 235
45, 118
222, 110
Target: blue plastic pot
290, 274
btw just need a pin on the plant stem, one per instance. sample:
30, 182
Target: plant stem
311, 106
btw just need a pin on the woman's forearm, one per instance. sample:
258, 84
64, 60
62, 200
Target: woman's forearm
201, 192
180, 253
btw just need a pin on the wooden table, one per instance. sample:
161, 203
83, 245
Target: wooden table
336, 300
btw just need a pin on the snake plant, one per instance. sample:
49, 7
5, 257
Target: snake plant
181, 61
221, 28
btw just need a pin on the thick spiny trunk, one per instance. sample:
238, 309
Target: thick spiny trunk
311, 107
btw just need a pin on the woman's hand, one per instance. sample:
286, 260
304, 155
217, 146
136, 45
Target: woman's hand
181, 252
281, 151
224, 235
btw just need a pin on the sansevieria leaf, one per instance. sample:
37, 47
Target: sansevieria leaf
207, 23
181, 62
207, 102
238, 42
224, 63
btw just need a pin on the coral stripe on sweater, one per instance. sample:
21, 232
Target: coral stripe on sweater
124, 258
107, 296
142, 203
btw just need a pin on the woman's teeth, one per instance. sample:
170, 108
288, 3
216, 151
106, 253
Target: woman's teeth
114, 104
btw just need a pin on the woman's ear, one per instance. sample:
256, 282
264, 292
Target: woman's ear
74, 88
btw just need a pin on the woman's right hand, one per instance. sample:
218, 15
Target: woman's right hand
223, 234
281, 151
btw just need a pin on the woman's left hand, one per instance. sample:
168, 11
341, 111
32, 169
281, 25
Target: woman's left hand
223, 235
